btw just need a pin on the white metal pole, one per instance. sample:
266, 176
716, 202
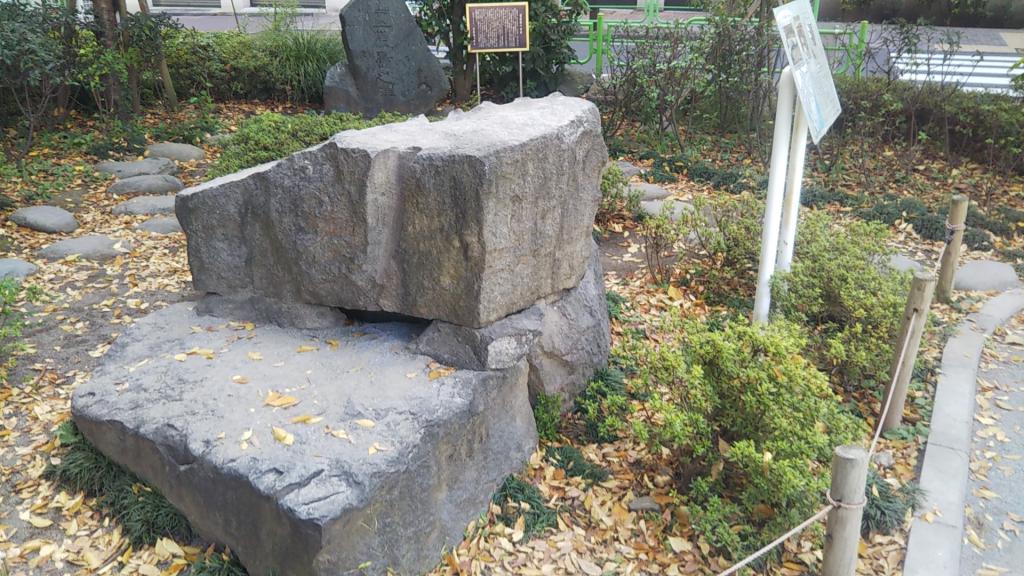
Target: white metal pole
520, 74
479, 95
776, 191
794, 184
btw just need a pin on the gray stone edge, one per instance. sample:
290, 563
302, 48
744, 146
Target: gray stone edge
933, 548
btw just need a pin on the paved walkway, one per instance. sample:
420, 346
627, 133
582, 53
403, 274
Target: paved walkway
994, 511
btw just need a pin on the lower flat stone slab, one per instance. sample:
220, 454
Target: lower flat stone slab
382, 462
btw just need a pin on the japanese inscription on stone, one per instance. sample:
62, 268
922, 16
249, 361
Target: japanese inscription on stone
382, 27
503, 27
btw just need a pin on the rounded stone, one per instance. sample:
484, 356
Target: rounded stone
650, 191
134, 168
902, 263
49, 219
89, 247
676, 210
985, 276
146, 184
629, 169
146, 205
175, 151
161, 225
16, 268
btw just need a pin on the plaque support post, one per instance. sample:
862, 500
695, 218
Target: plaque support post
479, 95
520, 74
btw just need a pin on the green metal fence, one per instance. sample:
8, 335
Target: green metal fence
846, 45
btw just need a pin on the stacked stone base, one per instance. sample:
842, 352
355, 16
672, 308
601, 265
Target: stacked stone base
394, 459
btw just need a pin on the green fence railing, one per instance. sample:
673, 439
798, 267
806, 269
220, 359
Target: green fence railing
847, 44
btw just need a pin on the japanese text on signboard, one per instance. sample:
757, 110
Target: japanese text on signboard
501, 27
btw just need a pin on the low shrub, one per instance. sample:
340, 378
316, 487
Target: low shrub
604, 405
616, 305
144, 514
842, 288
726, 232
518, 498
751, 423
661, 234
617, 198
271, 136
282, 64
986, 128
547, 412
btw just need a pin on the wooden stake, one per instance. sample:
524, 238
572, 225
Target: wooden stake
915, 316
951, 256
842, 532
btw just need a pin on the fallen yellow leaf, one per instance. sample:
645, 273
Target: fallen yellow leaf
280, 400
282, 436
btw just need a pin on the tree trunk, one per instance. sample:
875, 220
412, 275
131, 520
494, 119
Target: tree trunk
463, 68
68, 35
170, 95
133, 67
106, 17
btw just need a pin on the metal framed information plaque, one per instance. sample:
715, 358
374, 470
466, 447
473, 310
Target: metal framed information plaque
498, 27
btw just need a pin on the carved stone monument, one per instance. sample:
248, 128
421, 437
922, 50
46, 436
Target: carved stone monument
388, 66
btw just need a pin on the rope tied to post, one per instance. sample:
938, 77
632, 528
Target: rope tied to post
843, 505
952, 229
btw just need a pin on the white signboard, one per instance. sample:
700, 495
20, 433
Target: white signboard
807, 60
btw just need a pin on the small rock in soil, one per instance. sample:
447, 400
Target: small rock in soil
16, 268
884, 459
678, 208
146, 184
650, 191
48, 219
89, 247
628, 169
175, 151
145, 205
903, 263
644, 504
134, 168
161, 225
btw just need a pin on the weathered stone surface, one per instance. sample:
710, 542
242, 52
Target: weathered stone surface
49, 219
132, 168
985, 276
161, 225
629, 169
16, 268
466, 220
388, 66
323, 505
146, 184
650, 191
266, 310
676, 208
565, 337
644, 504
144, 205
89, 247
175, 151
576, 81
903, 263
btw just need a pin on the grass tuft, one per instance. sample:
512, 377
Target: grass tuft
145, 515
887, 508
520, 498
218, 564
575, 464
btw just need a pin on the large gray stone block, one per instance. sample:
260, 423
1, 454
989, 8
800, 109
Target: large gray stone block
419, 456
388, 66
565, 338
49, 219
466, 220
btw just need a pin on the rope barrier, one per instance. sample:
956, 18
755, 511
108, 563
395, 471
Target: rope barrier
821, 514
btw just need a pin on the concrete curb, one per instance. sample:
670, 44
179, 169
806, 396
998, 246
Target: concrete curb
934, 547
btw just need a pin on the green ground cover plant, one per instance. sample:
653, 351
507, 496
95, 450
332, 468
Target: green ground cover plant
144, 514
751, 424
547, 412
842, 289
575, 464
271, 136
13, 320
603, 406
520, 499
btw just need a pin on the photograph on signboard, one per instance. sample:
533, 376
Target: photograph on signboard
809, 64
499, 27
